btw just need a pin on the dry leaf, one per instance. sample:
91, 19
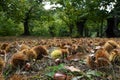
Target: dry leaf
72, 68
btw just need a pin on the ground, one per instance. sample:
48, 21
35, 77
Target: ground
72, 67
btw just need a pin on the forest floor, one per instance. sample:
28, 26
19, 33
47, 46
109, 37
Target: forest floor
72, 67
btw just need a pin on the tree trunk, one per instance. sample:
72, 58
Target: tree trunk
80, 27
111, 27
52, 31
26, 27
98, 33
26, 22
101, 29
70, 29
86, 32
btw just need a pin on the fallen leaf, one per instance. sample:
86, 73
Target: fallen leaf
72, 68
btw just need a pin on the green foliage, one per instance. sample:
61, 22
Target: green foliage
89, 75
63, 31
8, 27
56, 21
38, 29
53, 69
93, 73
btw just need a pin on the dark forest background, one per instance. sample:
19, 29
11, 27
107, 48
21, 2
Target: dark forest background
73, 18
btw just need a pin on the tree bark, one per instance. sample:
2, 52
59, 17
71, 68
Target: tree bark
80, 27
70, 29
26, 22
52, 31
101, 28
26, 27
112, 27
86, 32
